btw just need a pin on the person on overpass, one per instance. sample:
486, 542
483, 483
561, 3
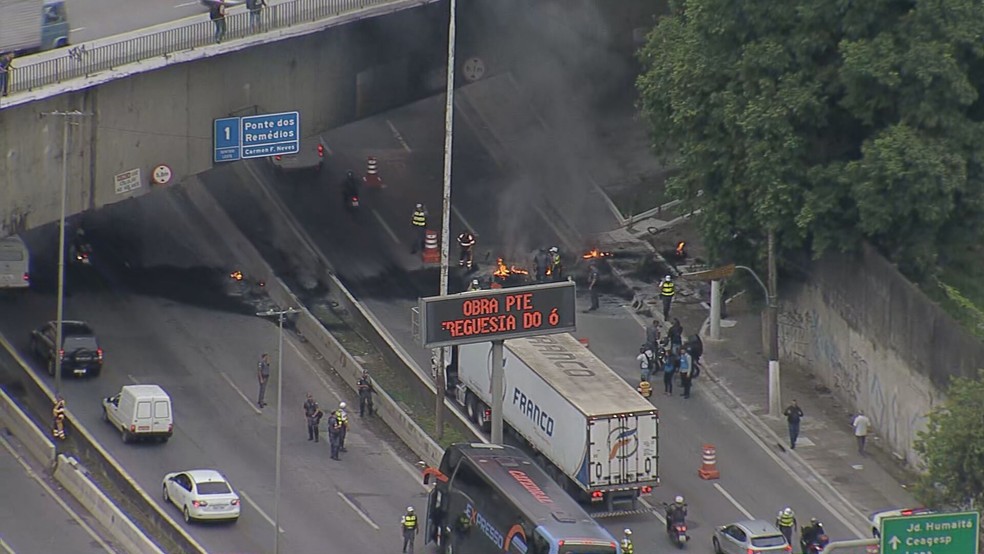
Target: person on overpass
466, 241
419, 223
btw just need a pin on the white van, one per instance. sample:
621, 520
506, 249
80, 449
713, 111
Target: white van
15, 263
140, 411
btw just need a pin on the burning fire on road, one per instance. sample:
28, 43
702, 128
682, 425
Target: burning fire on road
595, 254
508, 275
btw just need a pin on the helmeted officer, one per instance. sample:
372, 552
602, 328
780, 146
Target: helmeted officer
466, 241
342, 417
667, 289
556, 264
627, 547
419, 223
786, 522
408, 523
58, 419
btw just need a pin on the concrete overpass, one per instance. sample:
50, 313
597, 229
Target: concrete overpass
152, 94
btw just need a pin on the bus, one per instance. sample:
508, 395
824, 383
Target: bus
489, 499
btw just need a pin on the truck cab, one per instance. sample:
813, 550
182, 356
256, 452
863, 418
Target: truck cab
54, 25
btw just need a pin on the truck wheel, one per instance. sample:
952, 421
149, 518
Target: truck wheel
125, 435
471, 407
482, 422
717, 546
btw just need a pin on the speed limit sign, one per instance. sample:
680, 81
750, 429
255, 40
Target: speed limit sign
161, 175
473, 69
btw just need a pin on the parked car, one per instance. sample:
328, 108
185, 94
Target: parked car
140, 412
79, 351
15, 261
749, 537
201, 494
310, 157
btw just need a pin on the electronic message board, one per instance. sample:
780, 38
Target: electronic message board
498, 314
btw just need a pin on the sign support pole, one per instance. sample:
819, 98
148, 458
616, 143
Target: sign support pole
498, 391
716, 309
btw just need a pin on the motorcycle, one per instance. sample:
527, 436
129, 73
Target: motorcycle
677, 530
352, 202
817, 546
79, 252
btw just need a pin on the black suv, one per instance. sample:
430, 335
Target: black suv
80, 352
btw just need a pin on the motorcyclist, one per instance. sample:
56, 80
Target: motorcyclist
350, 189
80, 244
466, 240
811, 534
676, 513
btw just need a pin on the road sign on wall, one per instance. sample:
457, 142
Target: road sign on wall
226, 140
954, 533
271, 134
488, 315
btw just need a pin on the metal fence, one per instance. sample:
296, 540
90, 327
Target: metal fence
85, 60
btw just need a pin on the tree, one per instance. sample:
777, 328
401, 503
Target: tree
827, 121
952, 447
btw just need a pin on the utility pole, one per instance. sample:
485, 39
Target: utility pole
280, 315
69, 118
775, 402
445, 218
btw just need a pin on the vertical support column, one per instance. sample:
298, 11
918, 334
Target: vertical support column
498, 385
716, 309
775, 401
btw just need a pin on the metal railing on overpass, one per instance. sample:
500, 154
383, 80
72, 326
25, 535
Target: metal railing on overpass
85, 59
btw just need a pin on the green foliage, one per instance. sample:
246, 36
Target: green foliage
952, 447
827, 121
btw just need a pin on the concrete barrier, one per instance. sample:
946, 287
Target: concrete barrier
40, 398
34, 439
74, 478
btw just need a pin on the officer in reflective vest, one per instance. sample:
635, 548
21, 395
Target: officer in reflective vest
627, 547
667, 288
58, 419
786, 522
419, 223
466, 241
342, 416
409, 525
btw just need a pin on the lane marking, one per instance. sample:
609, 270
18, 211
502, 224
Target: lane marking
358, 510
30, 472
386, 226
398, 136
734, 502
461, 216
185, 4
251, 404
256, 507
77, 29
133, 379
659, 516
6, 547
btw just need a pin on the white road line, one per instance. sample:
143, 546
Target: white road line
53, 495
256, 507
386, 226
659, 516
241, 393
734, 502
358, 510
398, 136
132, 379
6, 547
185, 4
77, 29
462, 218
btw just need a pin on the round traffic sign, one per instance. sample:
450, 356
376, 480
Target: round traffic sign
162, 174
473, 69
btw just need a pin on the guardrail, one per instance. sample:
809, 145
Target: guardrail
86, 59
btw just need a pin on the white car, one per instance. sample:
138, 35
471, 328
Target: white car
201, 494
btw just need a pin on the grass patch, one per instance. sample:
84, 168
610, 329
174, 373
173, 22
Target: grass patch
960, 291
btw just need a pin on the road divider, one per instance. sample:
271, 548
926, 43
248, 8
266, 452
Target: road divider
20, 425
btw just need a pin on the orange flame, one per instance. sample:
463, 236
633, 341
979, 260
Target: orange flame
594, 253
502, 270
236, 275
680, 248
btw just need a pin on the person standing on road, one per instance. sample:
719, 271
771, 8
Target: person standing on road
58, 419
686, 368
675, 334
861, 424
786, 522
408, 524
667, 290
653, 335
255, 7
793, 415
669, 368
312, 414
593, 276
647, 362
366, 390
335, 436
342, 416
419, 223
627, 546
263, 376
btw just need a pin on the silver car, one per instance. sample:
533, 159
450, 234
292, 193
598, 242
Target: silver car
749, 537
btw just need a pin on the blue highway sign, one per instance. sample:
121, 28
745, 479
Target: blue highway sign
226, 140
271, 134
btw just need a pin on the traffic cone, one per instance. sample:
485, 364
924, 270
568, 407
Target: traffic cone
430, 254
584, 342
708, 467
372, 178
645, 389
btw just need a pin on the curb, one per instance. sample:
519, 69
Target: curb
17, 422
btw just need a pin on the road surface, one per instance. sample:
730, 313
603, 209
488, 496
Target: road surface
93, 19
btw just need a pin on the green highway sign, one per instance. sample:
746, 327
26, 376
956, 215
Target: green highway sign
954, 533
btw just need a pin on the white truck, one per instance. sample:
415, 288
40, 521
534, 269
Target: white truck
591, 431
28, 26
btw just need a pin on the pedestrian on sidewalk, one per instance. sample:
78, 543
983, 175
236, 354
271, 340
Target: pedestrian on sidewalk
861, 424
669, 368
667, 289
793, 415
312, 414
217, 14
263, 376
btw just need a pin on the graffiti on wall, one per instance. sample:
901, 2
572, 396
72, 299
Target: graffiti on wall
896, 406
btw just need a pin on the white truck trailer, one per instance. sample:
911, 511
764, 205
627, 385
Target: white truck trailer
591, 431
28, 26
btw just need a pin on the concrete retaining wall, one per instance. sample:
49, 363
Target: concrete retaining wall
71, 475
34, 439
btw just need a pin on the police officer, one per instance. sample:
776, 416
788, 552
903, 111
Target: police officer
466, 241
541, 263
58, 419
365, 393
475, 285
408, 523
667, 289
786, 522
312, 414
627, 547
334, 435
419, 223
593, 277
461, 528
342, 417
556, 265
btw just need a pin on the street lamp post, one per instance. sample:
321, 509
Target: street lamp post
446, 215
69, 118
280, 315
775, 402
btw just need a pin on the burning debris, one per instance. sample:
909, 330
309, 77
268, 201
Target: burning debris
508, 275
680, 252
595, 254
